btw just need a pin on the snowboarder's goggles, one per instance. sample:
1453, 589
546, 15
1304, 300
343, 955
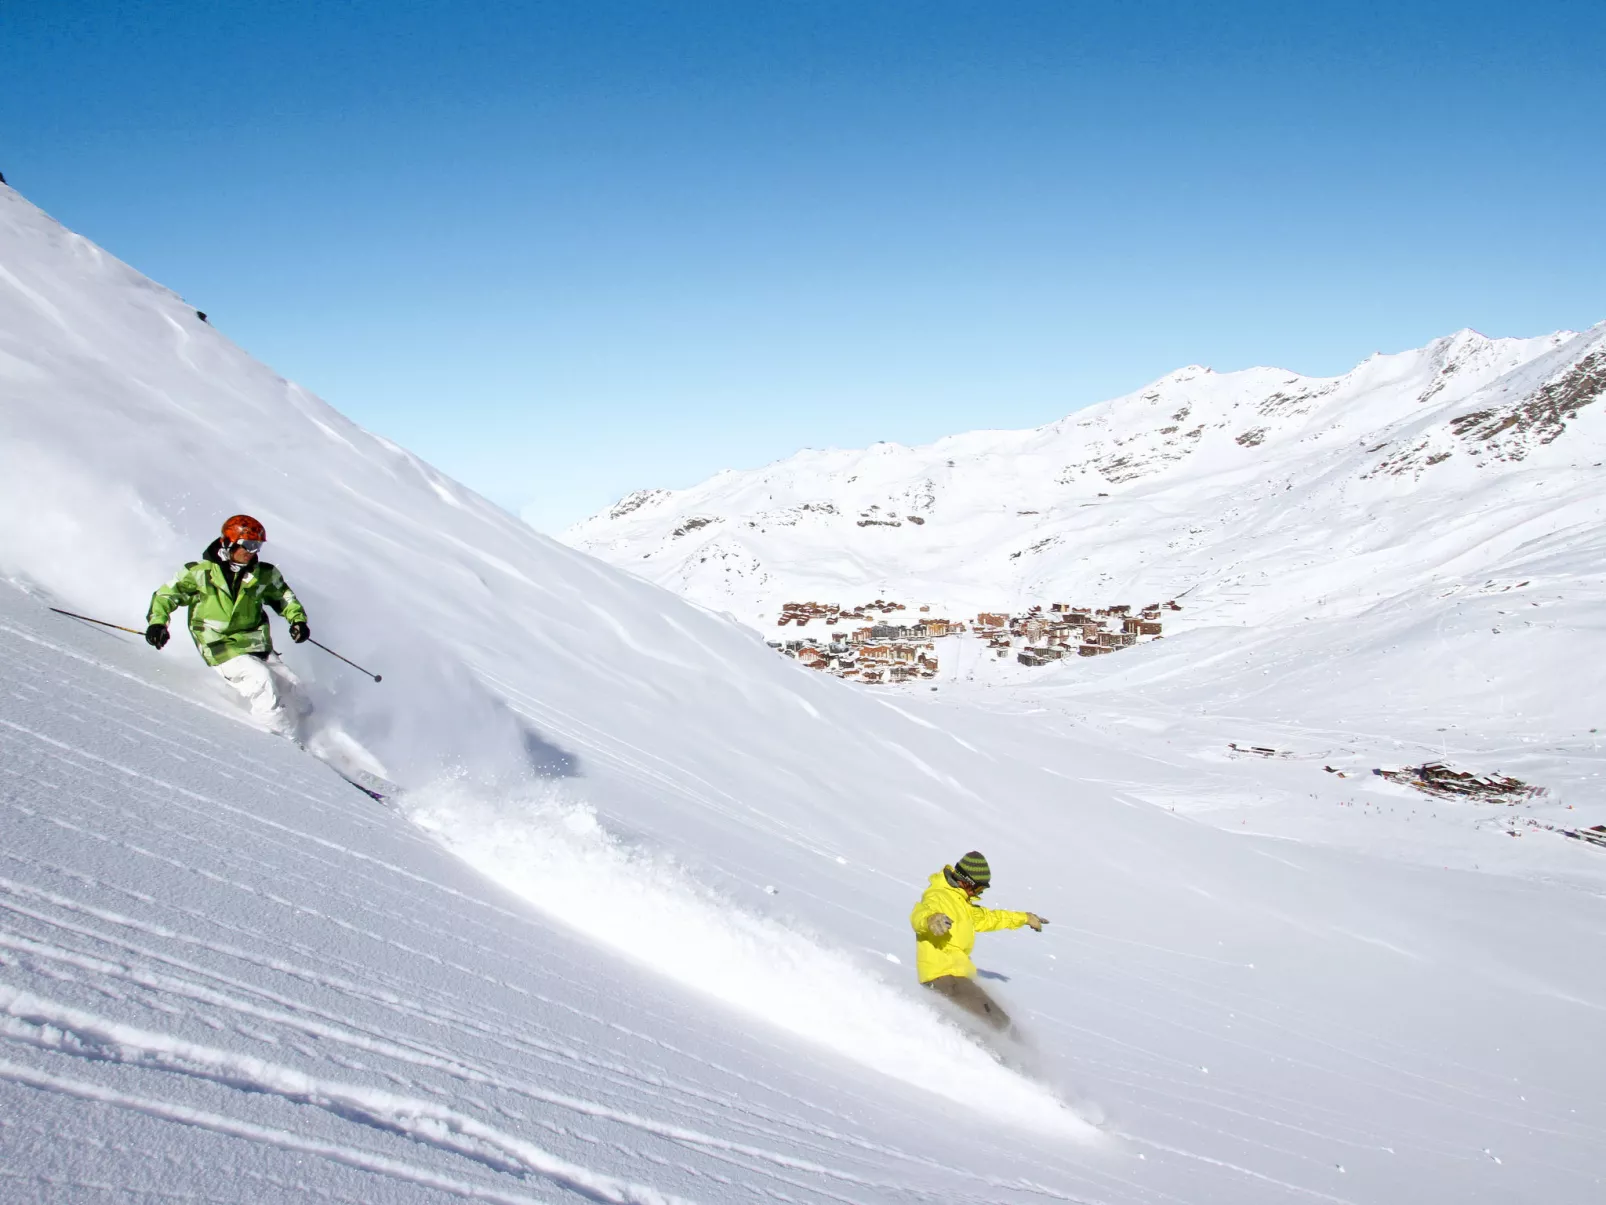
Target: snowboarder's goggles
248, 545
969, 884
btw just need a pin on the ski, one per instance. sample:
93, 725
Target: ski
368, 791
371, 785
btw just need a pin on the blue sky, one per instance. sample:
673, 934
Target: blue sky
568, 250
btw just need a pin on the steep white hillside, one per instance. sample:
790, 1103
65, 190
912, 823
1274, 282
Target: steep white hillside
670, 958
226, 976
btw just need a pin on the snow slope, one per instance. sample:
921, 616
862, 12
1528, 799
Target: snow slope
638, 932
224, 972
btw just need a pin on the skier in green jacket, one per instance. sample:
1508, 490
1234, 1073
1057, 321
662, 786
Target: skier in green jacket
227, 591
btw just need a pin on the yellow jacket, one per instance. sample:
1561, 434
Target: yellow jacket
950, 953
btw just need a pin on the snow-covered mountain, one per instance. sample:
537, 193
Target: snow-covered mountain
1206, 483
638, 932
1414, 549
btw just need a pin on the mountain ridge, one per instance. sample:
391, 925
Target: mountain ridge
1193, 437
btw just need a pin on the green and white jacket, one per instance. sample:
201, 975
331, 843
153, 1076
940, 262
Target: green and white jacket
227, 616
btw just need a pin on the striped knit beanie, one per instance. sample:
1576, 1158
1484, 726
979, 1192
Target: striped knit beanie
974, 867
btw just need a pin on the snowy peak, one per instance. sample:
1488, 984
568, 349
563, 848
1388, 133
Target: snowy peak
1506, 421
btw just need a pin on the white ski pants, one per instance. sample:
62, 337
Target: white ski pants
269, 688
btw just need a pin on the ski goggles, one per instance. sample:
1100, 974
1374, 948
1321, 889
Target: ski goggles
248, 545
969, 884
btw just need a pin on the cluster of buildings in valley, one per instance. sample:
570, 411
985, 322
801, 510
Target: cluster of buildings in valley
874, 650
871, 648
1064, 629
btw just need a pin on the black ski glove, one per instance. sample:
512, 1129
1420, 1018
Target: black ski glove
156, 635
299, 631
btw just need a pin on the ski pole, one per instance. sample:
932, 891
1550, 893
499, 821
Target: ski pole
347, 660
101, 622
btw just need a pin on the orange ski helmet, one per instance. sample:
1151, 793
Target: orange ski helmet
242, 527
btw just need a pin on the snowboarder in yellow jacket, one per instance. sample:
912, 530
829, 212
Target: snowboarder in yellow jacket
946, 921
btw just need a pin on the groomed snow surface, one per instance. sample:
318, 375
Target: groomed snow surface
638, 930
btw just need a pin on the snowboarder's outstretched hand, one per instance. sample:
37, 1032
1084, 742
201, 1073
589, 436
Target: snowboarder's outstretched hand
156, 635
939, 925
299, 632
1036, 922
